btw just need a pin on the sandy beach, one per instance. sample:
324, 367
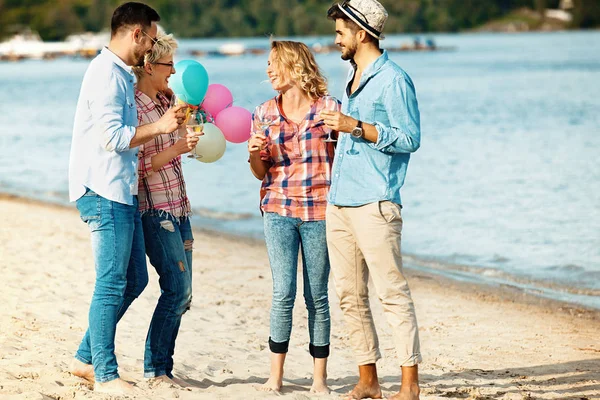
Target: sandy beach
477, 342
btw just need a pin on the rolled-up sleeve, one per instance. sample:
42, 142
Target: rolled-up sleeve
402, 132
107, 107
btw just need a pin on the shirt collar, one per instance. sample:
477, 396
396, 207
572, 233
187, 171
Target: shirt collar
374, 67
312, 113
106, 52
151, 104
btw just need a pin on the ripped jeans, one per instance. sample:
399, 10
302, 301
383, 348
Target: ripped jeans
169, 247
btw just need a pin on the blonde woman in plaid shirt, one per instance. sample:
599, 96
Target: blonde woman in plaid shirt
294, 163
165, 210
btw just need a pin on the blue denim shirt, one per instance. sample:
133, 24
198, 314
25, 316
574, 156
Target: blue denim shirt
386, 98
105, 123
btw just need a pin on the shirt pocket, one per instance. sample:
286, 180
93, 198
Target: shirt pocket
312, 141
380, 113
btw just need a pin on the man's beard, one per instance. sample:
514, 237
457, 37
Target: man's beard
139, 58
350, 52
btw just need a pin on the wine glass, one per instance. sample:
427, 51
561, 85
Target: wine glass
175, 101
263, 120
330, 103
195, 125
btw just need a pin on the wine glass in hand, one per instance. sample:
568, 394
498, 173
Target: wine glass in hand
330, 103
195, 125
263, 119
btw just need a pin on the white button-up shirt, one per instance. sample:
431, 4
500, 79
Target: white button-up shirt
105, 123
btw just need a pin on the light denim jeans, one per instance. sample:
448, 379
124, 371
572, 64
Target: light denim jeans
121, 276
284, 237
169, 248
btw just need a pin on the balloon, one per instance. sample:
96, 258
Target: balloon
190, 82
211, 145
217, 98
235, 123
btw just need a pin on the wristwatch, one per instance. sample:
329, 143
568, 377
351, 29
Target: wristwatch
358, 132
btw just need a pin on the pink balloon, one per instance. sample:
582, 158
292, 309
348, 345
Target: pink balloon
235, 123
217, 98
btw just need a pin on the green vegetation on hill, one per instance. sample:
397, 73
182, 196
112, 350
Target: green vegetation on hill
56, 19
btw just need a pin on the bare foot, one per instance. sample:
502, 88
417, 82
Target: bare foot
412, 393
362, 391
116, 386
82, 370
272, 385
319, 386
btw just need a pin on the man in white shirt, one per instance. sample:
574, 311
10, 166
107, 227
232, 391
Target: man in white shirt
103, 182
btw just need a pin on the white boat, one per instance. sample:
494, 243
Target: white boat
232, 49
29, 45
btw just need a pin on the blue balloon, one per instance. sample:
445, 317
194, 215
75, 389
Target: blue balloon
190, 82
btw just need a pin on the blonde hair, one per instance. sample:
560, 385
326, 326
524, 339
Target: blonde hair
296, 59
165, 46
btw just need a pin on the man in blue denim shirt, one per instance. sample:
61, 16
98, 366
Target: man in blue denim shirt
103, 182
379, 128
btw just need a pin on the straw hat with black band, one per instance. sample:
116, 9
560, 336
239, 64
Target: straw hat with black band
370, 15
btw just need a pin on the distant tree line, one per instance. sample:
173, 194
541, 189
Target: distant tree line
56, 19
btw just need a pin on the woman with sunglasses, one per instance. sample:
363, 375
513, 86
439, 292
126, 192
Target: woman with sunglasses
165, 209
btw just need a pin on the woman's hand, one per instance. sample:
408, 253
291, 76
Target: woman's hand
256, 143
187, 143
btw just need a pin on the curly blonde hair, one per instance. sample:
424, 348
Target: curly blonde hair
296, 59
165, 46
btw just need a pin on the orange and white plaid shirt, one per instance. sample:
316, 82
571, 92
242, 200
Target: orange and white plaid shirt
165, 189
297, 183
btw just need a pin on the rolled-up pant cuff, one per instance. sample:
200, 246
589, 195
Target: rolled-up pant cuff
368, 358
154, 374
412, 360
318, 351
107, 378
279, 348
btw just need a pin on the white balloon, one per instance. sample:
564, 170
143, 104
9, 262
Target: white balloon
211, 145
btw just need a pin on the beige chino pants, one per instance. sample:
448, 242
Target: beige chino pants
366, 240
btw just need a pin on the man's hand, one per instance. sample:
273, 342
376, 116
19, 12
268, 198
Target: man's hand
256, 143
337, 121
187, 143
172, 119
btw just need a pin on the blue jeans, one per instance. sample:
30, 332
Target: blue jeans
121, 276
169, 248
284, 237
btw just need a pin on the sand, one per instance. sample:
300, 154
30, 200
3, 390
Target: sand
477, 342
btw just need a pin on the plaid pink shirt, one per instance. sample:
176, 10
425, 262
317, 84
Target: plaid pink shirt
297, 183
165, 189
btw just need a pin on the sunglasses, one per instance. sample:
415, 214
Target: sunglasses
154, 40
